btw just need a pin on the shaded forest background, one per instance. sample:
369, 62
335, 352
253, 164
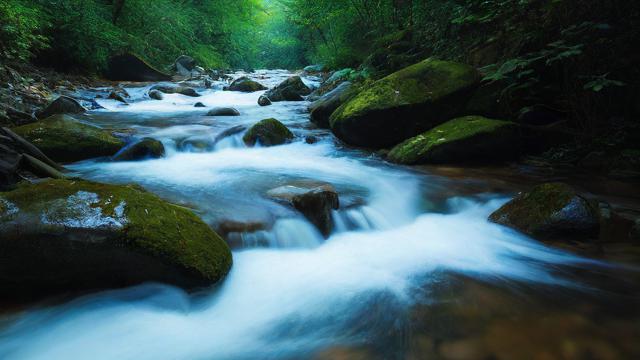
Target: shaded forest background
576, 57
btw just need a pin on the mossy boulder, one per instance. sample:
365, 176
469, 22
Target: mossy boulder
267, 132
244, 84
292, 89
63, 235
322, 108
65, 139
405, 103
469, 139
550, 210
61, 105
146, 148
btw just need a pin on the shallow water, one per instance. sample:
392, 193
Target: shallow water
407, 273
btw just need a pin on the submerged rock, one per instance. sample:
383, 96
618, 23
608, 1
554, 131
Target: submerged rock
183, 90
264, 101
267, 132
314, 200
223, 111
322, 108
199, 105
405, 103
469, 139
156, 95
244, 84
61, 105
64, 139
129, 67
291, 89
63, 235
146, 148
550, 210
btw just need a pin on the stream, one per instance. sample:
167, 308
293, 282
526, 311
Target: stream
412, 270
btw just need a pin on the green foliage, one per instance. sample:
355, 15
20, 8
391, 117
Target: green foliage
21, 29
85, 33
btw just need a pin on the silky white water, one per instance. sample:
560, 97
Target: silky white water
303, 293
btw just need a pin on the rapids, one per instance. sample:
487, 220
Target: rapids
290, 293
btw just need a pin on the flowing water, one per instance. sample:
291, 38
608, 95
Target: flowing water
410, 271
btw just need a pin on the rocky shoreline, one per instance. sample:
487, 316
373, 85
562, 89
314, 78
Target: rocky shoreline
387, 115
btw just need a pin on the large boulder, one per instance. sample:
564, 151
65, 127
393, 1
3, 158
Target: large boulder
469, 139
267, 132
322, 108
146, 148
292, 89
184, 65
61, 105
244, 84
405, 103
129, 67
314, 200
550, 210
183, 90
223, 111
63, 235
64, 139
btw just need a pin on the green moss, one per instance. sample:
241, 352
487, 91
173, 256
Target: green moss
267, 132
537, 212
419, 148
150, 225
427, 81
64, 139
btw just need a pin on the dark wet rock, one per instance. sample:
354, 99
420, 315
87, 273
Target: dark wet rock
264, 101
292, 89
405, 103
63, 235
314, 200
540, 115
146, 148
184, 65
156, 95
183, 90
129, 67
310, 139
118, 97
61, 105
267, 132
199, 105
550, 210
64, 139
469, 139
244, 84
322, 108
223, 111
